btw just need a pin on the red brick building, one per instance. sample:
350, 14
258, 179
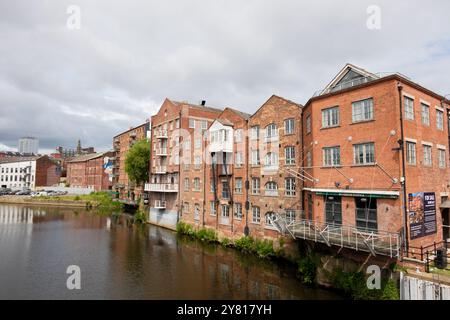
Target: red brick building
90, 171
354, 134
126, 189
177, 157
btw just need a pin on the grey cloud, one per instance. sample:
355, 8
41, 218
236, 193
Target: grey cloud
61, 85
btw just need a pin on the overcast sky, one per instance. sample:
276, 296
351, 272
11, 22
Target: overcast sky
61, 84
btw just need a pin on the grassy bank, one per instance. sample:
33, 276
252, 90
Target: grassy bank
99, 200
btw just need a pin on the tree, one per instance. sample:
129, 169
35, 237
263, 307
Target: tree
137, 162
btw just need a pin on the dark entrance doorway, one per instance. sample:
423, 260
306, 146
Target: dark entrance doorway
333, 209
366, 213
446, 224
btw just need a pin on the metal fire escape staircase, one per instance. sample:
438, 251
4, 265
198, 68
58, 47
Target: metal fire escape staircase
375, 242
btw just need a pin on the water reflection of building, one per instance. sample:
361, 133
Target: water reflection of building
17, 214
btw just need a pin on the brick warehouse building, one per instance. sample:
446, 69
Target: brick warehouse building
246, 170
124, 188
177, 131
225, 172
330, 172
90, 171
353, 135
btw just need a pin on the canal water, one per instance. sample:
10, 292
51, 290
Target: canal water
119, 260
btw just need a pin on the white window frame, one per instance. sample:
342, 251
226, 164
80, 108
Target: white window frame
442, 154
362, 110
289, 187
256, 214
330, 117
333, 154
439, 119
191, 123
365, 147
289, 155
289, 126
427, 155
411, 153
425, 113
256, 186
409, 107
255, 130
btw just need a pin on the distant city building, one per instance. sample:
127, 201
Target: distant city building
90, 171
28, 172
28, 145
73, 152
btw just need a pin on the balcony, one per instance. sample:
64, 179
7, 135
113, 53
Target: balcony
161, 170
160, 204
133, 135
161, 134
161, 152
225, 170
161, 187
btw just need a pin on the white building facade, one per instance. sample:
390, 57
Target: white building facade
18, 175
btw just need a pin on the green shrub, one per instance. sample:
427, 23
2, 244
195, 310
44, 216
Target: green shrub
225, 242
264, 248
140, 217
307, 269
245, 244
207, 235
390, 291
185, 229
77, 198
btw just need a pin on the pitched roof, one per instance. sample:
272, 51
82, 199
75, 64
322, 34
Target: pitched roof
19, 159
278, 97
87, 157
244, 115
178, 103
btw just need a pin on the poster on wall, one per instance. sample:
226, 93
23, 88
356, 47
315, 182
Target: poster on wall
422, 214
108, 166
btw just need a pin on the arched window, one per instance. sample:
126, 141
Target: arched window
271, 131
271, 189
271, 160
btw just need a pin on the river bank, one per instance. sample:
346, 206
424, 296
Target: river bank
98, 200
315, 268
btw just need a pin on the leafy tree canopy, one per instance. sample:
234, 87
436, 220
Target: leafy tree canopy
137, 162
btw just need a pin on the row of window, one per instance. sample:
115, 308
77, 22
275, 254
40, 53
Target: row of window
15, 170
271, 130
11, 178
363, 110
237, 212
424, 111
427, 157
271, 187
363, 154
271, 159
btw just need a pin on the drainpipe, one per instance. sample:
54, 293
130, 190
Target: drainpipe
204, 178
402, 149
180, 207
247, 182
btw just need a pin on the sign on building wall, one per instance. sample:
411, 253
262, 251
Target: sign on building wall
422, 214
108, 166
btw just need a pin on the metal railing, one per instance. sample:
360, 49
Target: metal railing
356, 82
376, 242
427, 254
161, 187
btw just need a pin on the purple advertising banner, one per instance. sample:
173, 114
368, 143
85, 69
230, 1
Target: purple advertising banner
422, 214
